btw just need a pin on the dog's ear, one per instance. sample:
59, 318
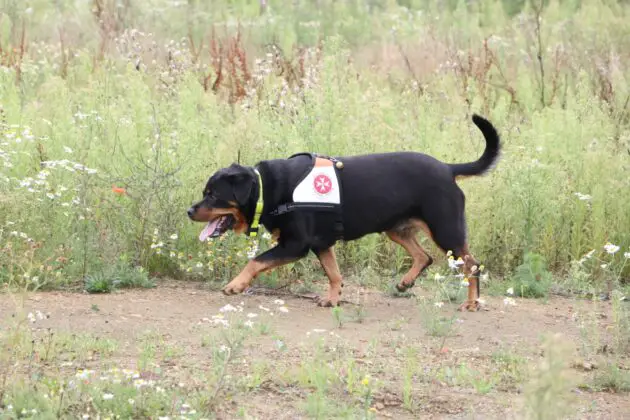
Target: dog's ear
242, 191
242, 181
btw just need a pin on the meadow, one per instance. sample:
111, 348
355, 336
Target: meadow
113, 114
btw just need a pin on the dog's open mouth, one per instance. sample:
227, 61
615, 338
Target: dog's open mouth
217, 227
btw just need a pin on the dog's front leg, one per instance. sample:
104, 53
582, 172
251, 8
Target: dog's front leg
275, 257
335, 282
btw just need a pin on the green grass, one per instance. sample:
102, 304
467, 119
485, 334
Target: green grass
612, 379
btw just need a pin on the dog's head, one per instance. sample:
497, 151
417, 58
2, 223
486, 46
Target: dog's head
228, 200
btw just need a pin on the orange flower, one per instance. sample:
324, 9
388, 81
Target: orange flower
119, 190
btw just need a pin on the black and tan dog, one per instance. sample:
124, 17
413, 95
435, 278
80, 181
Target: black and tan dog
396, 193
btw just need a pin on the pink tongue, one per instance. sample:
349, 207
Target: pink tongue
208, 230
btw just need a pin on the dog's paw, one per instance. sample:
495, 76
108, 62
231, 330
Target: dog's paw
470, 306
403, 287
234, 288
327, 302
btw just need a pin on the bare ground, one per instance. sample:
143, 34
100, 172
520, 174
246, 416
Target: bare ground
178, 315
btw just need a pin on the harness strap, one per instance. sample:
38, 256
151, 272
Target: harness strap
289, 207
333, 208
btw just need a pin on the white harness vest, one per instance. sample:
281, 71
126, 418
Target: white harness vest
318, 191
320, 185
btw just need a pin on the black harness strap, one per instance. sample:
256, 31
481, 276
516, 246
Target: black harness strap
290, 207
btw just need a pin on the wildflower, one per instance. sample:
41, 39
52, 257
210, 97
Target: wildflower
465, 282
586, 256
131, 401
438, 277
510, 291
80, 115
626, 255
508, 301
174, 236
366, 380
439, 304
453, 264
283, 309
84, 374
251, 315
119, 190
228, 308
604, 265
249, 323
263, 308
67, 149
611, 248
582, 197
279, 302
107, 397
449, 253
223, 322
253, 250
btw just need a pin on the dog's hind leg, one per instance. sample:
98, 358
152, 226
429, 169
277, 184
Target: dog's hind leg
472, 272
445, 218
452, 237
405, 236
335, 281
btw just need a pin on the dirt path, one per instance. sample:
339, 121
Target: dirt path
180, 316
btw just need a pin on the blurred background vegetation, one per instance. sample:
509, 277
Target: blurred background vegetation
113, 113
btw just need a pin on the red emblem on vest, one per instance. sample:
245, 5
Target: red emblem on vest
322, 184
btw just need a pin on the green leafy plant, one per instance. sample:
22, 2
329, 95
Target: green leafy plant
531, 278
120, 276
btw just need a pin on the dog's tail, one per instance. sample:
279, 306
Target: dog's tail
489, 156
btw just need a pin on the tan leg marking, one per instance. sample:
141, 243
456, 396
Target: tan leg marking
471, 272
249, 273
329, 262
421, 225
421, 259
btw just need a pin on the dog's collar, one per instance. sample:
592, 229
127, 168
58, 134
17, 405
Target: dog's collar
253, 228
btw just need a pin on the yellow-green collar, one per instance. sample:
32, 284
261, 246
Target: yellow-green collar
253, 229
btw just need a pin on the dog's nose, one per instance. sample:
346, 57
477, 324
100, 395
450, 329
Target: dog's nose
191, 212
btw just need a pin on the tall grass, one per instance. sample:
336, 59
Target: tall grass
113, 118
